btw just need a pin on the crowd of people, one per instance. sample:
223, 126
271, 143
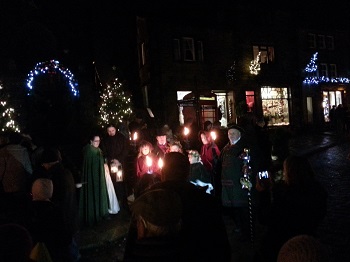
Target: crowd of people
182, 186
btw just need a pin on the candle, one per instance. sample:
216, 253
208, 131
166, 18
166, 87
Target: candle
119, 175
135, 136
149, 164
186, 131
213, 135
160, 163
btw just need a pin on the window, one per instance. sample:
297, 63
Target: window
333, 70
323, 70
267, 54
311, 38
188, 49
275, 103
177, 51
249, 98
330, 42
321, 42
200, 51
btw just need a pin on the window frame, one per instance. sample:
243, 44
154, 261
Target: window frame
188, 49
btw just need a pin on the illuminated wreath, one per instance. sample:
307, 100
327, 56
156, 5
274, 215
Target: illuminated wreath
51, 67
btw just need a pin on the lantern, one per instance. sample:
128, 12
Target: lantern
116, 169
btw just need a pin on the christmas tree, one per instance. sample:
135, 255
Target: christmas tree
7, 114
115, 104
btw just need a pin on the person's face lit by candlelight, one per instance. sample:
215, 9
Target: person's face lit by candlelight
161, 140
145, 150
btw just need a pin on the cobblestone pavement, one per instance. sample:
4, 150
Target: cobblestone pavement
328, 156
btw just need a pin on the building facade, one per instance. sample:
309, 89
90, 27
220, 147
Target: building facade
231, 61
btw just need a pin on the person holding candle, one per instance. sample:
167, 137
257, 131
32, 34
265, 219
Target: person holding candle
210, 154
162, 146
146, 161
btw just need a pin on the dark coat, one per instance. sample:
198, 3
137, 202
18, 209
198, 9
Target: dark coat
232, 194
115, 147
203, 232
288, 211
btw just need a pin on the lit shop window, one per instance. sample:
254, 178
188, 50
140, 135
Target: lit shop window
275, 105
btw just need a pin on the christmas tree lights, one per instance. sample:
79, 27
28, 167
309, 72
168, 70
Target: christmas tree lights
7, 122
254, 67
115, 104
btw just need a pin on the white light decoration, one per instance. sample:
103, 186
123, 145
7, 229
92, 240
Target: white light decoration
312, 68
254, 67
50, 67
115, 104
7, 114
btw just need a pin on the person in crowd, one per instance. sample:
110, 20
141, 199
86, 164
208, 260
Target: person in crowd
210, 155
146, 161
191, 140
169, 134
175, 146
115, 146
235, 198
157, 215
15, 180
145, 182
203, 233
303, 248
123, 128
198, 173
207, 126
15, 243
161, 147
46, 223
15, 165
340, 116
332, 117
263, 146
94, 202
292, 206
64, 194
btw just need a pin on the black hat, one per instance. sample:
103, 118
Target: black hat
235, 126
50, 155
160, 207
160, 132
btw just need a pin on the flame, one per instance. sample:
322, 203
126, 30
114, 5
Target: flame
213, 135
148, 161
135, 136
160, 163
186, 131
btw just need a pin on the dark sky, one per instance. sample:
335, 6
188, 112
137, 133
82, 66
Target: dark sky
79, 32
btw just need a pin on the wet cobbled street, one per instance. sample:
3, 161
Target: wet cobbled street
333, 171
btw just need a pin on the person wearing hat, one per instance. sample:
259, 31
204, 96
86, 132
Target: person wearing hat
64, 194
161, 147
233, 197
157, 215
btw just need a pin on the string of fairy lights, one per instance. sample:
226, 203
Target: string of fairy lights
51, 67
311, 68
